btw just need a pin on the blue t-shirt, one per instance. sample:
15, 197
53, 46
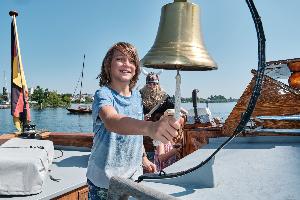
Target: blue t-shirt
114, 154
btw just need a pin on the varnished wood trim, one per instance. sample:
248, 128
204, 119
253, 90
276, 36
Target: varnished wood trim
5, 137
71, 139
77, 194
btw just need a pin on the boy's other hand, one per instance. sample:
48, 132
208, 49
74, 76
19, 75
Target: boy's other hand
148, 166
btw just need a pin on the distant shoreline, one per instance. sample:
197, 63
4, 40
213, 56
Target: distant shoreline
211, 99
182, 101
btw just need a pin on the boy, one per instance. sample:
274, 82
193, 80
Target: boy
118, 123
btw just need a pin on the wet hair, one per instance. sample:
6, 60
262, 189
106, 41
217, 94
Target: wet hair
128, 50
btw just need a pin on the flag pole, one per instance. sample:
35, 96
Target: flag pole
27, 129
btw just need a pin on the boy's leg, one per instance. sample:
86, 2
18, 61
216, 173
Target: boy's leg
96, 193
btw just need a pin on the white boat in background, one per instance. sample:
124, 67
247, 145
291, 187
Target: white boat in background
4, 106
80, 109
5, 103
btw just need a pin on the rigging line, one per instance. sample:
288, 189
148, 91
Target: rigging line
76, 86
81, 78
5, 85
252, 102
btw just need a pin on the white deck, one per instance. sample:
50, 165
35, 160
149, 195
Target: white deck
248, 168
70, 168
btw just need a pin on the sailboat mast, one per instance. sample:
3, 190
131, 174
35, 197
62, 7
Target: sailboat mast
81, 78
5, 85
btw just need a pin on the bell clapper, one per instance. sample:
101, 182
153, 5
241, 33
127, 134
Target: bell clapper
177, 104
177, 95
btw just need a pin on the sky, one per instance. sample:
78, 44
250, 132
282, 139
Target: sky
55, 34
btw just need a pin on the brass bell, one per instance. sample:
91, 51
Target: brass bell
178, 44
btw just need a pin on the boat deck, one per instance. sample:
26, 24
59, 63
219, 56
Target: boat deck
70, 168
262, 167
247, 168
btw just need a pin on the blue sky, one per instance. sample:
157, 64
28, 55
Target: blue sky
55, 34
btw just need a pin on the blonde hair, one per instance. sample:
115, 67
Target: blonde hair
128, 50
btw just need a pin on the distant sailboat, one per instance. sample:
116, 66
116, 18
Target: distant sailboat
5, 101
80, 108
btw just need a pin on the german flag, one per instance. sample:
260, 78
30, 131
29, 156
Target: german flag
19, 91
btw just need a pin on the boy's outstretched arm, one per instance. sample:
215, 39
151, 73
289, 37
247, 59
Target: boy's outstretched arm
164, 130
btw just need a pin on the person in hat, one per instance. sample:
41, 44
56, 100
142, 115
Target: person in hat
152, 94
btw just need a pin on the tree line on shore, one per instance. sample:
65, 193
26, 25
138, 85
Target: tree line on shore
43, 98
210, 99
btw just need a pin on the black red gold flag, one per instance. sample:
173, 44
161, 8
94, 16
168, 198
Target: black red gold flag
19, 90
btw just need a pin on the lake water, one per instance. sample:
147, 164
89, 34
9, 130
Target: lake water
59, 120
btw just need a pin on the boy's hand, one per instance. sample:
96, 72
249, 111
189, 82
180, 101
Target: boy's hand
148, 166
165, 129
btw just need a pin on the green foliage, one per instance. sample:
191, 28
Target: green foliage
217, 98
1, 98
4, 96
66, 98
88, 100
211, 99
77, 101
54, 100
39, 96
46, 98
